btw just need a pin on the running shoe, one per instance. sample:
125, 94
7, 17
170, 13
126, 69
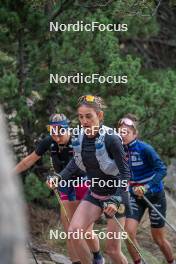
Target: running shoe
98, 260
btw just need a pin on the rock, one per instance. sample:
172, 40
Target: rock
12, 211
171, 210
32, 261
48, 262
58, 258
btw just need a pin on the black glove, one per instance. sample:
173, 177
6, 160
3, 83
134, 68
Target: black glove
53, 180
117, 200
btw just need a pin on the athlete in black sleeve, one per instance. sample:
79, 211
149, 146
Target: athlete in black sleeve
61, 152
99, 152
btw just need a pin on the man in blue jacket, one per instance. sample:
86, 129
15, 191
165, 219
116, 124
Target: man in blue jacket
147, 173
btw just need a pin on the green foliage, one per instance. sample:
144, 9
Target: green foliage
154, 103
30, 53
37, 191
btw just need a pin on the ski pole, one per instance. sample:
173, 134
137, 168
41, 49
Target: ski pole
156, 210
56, 191
33, 254
61, 204
128, 238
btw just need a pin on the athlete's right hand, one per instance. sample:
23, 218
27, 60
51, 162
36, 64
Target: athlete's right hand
110, 209
139, 190
53, 181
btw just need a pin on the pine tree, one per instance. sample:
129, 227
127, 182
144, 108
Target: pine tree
30, 53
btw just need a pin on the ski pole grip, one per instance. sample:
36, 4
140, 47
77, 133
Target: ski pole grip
105, 205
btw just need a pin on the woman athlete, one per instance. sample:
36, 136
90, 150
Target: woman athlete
147, 170
99, 152
61, 152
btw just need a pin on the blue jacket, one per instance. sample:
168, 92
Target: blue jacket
146, 166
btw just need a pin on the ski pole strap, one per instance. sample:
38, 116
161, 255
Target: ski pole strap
117, 201
156, 210
140, 187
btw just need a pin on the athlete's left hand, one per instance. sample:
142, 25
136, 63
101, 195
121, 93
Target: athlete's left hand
139, 190
110, 210
53, 181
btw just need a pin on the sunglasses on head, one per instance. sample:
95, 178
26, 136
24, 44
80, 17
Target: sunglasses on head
127, 121
86, 98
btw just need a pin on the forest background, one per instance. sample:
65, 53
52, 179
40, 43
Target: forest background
146, 53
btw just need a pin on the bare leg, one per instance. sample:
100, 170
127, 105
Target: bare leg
113, 246
70, 209
93, 241
131, 228
159, 237
85, 215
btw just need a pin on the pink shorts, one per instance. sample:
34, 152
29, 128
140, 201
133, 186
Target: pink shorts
80, 192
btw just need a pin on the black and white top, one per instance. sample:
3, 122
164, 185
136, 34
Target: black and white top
115, 151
